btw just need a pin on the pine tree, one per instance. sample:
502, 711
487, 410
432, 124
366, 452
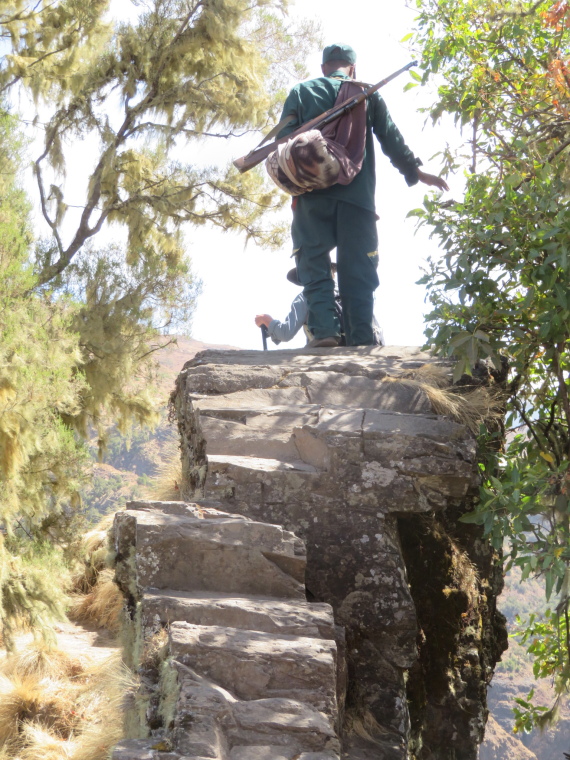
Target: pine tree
146, 92
42, 463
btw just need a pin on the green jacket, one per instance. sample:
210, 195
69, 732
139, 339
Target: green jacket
309, 99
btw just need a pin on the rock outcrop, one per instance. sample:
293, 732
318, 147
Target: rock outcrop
249, 669
356, 452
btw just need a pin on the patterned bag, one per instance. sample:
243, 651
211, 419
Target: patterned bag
317, 159
303, 164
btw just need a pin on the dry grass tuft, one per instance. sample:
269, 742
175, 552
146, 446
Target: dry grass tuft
109, 686
165, 484
40, 744
363, 725
41, 661
95, 597
97, 538
20, 699
480, 406
102, 606
95, 553
44, 702
75, 718
434, 375
464, 576
154, 650
97, 740
470, 408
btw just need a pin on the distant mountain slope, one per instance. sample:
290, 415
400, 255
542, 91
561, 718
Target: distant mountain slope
131, 460
173, 358
514, 678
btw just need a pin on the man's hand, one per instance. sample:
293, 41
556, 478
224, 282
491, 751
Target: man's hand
432, 180
263, 319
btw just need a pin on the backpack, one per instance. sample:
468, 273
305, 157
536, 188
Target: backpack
320, 158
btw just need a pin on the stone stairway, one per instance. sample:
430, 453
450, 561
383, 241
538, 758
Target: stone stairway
251, 671
341, 447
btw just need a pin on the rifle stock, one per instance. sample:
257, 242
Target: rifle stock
245, 163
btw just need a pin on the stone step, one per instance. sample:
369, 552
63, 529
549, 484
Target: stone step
143, 749
189, 553
200, 509
247, 483
273, 433
332, 389
337, 389
239, 480
254, 665
278, 753
202, 380
280, 723
264, 433
210, 722
291, 618
259, 465
254, 398
262, 752
226, 408
238, 439
350, 360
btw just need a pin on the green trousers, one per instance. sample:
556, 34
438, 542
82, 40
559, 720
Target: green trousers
319, 225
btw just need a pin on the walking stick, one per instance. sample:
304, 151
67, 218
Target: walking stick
264, 335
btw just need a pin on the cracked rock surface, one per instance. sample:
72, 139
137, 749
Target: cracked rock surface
339, 447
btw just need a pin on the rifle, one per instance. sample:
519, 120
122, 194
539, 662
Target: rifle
257, 155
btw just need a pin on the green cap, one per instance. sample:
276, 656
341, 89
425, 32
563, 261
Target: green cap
339, 53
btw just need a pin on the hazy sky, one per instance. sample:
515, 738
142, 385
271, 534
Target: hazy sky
238, 282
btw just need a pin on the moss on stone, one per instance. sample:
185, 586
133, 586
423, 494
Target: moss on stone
461, 633
169, 693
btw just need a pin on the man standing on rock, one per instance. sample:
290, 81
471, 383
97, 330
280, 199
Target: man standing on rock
343, 215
